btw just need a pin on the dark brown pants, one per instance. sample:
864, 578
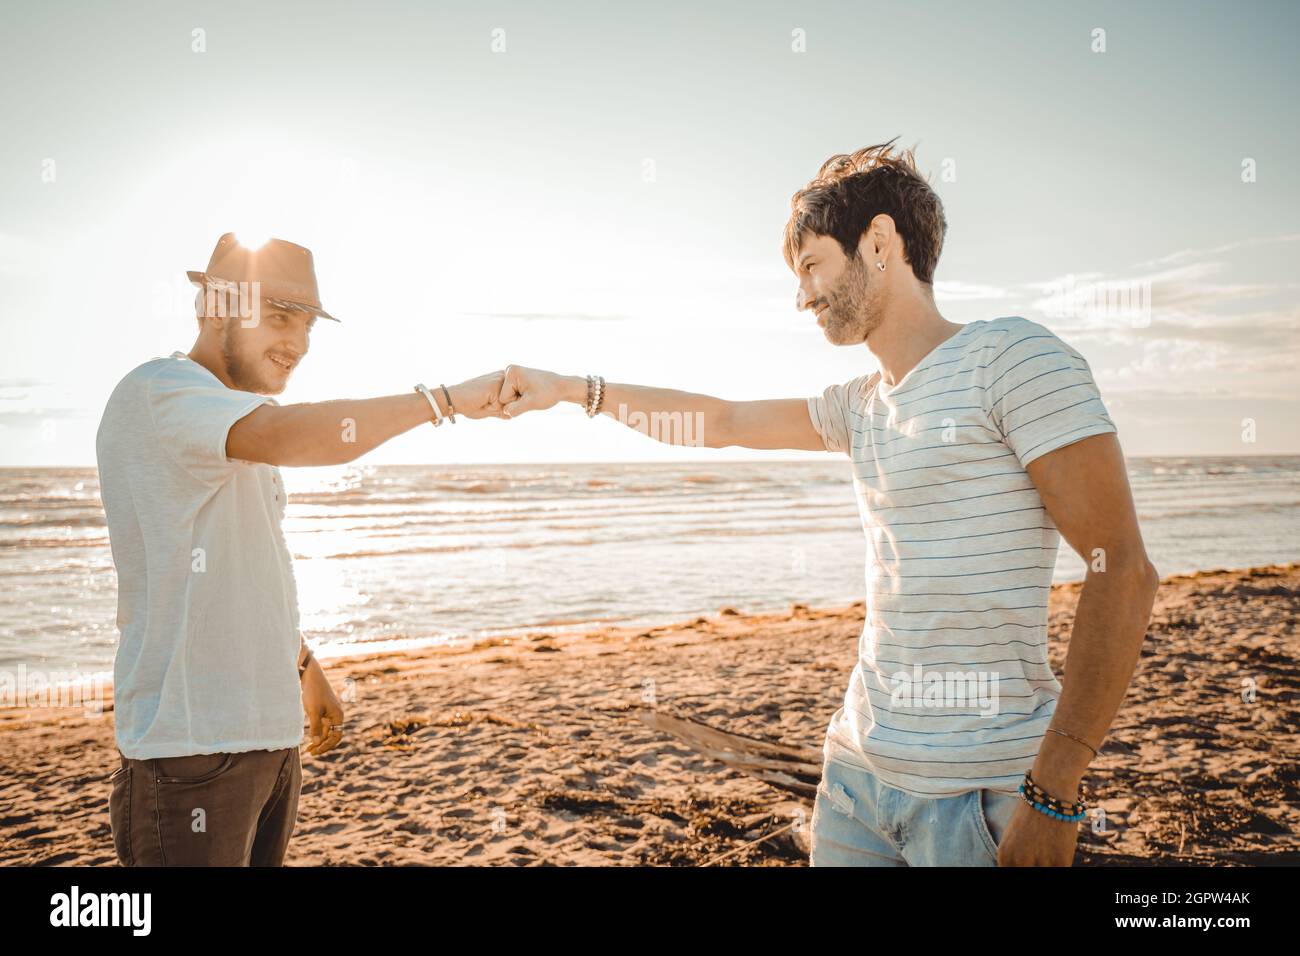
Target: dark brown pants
227, 809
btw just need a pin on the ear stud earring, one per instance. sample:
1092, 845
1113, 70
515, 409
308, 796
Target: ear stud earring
880, 266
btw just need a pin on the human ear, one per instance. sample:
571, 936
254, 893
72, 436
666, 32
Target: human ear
877, 238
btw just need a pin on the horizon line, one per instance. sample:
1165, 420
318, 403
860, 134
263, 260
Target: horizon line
644, 461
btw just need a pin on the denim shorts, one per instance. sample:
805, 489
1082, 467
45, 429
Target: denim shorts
859, 821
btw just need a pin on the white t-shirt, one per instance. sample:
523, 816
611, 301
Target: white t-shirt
207, 607
952, 690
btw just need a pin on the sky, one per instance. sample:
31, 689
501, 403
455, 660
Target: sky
600, 188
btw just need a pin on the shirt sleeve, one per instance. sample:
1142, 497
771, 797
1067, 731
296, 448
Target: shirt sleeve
192, 415
1040, 394
830, 413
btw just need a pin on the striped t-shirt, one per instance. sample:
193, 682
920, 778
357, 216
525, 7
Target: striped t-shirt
952, 690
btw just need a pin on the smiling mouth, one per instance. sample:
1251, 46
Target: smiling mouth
822, 311
282, 362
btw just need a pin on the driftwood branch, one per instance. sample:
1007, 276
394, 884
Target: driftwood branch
795, 770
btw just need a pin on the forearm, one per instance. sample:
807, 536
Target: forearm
1110, 624
340, 431
670, 416
664, 414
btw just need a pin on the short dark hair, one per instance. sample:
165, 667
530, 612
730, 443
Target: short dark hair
852, 189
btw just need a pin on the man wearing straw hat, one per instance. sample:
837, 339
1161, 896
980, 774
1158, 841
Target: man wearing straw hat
212, 676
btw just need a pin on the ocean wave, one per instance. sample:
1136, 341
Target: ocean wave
679, 536
23, 543
449, 519
62, 521
1236, 510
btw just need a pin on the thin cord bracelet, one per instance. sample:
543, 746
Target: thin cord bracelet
1053, 730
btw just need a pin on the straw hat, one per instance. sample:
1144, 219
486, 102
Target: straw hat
286, 272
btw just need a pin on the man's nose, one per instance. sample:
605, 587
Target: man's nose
801, 298
300, 342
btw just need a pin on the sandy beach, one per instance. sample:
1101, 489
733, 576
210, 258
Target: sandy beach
534, 750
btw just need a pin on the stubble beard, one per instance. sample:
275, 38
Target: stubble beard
855, 308
243, 374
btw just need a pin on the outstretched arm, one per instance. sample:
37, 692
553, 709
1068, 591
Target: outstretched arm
668, 415
336, 432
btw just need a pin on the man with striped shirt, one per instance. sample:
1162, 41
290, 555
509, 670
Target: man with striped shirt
975, 448
960, 553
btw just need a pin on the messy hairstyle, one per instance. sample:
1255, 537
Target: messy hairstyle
852, 189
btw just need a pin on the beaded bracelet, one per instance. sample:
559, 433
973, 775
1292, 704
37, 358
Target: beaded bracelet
1042, 796
1045, 803
1073, 818
595, 394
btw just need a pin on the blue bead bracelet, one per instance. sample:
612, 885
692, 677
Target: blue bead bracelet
1050, 812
